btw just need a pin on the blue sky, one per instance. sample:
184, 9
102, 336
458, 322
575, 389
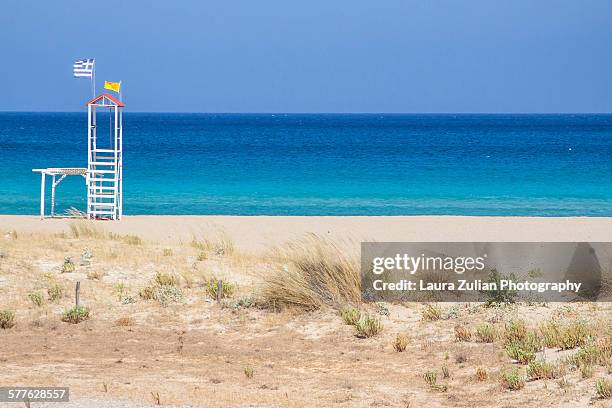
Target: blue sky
312, 56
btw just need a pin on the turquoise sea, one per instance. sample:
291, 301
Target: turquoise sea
310, 164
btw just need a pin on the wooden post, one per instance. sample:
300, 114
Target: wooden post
42, 195
219, 290
77, 293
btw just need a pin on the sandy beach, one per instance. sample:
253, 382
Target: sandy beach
253, 233
155, 334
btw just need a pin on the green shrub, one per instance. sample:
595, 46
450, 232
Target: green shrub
574, 335
524, 351
227, 289
350, 315
75, 315
55, 292
37, 298
512, 379
431, 378
486, 333
68, 265
603, 387
249, 372
7, 319
500, 296
368, 326
164, 279
537, 370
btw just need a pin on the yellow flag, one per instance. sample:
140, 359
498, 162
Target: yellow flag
113, 86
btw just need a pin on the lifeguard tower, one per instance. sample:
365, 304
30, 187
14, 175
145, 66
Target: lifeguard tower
104, 172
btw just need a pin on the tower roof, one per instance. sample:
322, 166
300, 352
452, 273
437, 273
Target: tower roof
107, 99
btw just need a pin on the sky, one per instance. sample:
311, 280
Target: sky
342, 56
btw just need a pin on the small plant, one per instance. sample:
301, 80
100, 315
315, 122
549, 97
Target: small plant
524, 351
574, 335
431, 378
515, 330
55, 292
68, 265
550, 331
512, 379
37, 298
156, 398
168, 294
462, 333
249, 372
400, 343
202, 256
499, 296
368, 326
75, 315
167, 251
132, 240
95, 274
120, 290
163, 279
603, 388
350, 315
7, 319
587, 370
537, 370
485, 333
227, 289
460, 358
481, 374
432, 313
445, 371
128, 299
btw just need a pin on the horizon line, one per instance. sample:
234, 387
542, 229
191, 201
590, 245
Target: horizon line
325, 113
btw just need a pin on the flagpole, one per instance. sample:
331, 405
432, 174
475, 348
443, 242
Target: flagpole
93, 81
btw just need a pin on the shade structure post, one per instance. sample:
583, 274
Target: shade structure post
42, 195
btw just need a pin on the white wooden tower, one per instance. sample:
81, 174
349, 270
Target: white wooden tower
105, 159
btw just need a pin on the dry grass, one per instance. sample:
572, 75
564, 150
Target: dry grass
400, 343
481, 374
432, 312
311, 273
249, 372
537, 370
486, 333
125, 322
462, 333
603, 387
7, 319
350, 315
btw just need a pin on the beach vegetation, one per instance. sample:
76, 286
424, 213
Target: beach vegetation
512, 379
350, 315
486, 333
55, 292
68, 265
75, 315
227, 288
37, 298
7, 319
603, 388
537, 370
462, 333
481, 374
367, 326
164, 279
400, 343
249, 372
432, 312
313, 272
497, 295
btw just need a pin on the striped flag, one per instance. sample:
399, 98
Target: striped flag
84, 68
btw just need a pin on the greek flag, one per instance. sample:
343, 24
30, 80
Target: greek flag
83, 68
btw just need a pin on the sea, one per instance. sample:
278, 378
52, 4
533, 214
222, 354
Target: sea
324, 164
